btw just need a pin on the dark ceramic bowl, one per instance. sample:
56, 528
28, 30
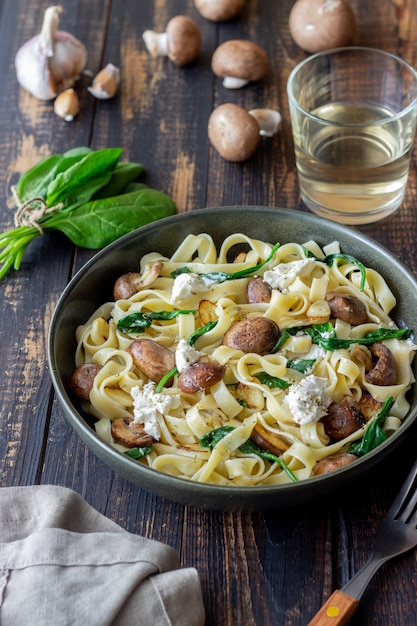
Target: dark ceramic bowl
92, 286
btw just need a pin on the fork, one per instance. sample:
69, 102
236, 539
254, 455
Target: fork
396, 535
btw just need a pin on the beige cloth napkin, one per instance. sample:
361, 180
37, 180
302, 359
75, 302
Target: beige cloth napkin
63, 563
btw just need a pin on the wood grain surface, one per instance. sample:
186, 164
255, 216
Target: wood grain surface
266, 569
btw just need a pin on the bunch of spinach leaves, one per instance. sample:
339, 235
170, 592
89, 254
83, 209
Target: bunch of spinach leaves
89, 195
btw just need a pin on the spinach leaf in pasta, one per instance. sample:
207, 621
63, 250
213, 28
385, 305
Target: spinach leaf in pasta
138, 453
272, 381
212, 438
330, 259
374, 434
221, 277
139, 321
325, 336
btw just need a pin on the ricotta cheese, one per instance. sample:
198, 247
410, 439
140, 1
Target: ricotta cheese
307, 399
187, 286
149, 407
186, 355
283, 274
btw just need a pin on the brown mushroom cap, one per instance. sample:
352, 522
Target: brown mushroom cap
183, 39
317, 25
233, 132
240, 58
219, 10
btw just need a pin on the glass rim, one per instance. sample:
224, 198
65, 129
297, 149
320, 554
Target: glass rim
333, 51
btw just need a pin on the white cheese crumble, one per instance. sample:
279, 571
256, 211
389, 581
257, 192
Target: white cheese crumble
149, 407
186, 355
188, 285
307, 399
283, 274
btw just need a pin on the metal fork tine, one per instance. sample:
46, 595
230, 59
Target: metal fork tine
406, 500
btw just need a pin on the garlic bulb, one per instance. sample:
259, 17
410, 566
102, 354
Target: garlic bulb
52, 60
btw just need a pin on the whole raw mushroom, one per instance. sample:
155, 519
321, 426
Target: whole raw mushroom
235, 132
180, 42
219, 10
317, 25
238, 62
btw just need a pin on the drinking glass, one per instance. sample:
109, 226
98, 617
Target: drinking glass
353, 117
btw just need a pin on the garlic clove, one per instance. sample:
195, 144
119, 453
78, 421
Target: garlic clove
106, 83
51, 61
67, 105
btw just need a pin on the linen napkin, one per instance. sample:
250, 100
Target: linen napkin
62, 563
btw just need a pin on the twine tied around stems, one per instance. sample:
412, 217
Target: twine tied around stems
29, 213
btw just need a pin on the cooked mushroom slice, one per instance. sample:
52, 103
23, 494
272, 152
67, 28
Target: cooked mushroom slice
130, 434
384, 372
257, 290
268, 440
130, 283
235, 132
347, 308
342, 419
334, 462
256, 334
180, 42
82, 379
239, 62
219, 10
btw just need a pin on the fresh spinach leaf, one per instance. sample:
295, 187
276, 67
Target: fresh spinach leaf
96, 224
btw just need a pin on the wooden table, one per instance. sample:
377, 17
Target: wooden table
259, 568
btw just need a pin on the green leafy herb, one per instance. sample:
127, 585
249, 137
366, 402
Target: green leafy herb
88, 195
374, 434
301, 365
139, 321
329, 259
325, 336
138, 453
272, 381
212, 438
201, 331
165, 379
221, 277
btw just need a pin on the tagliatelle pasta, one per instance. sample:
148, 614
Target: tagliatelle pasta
288, 401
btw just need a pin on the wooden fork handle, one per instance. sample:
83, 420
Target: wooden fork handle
337, 611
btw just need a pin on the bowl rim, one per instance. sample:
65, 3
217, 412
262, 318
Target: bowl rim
227, 495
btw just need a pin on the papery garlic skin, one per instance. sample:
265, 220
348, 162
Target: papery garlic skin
51, 61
